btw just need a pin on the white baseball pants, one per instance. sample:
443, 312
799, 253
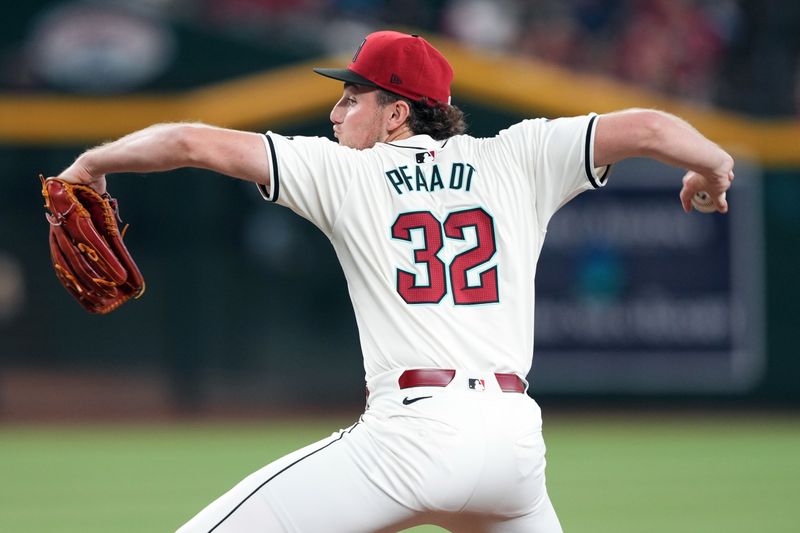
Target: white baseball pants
467, 457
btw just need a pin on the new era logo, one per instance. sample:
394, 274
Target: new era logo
396, 80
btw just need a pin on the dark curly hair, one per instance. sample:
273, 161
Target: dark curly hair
439, 121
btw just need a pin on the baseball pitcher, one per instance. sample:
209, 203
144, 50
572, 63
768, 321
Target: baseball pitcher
438, 234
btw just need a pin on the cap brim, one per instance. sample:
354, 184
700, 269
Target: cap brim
347, 76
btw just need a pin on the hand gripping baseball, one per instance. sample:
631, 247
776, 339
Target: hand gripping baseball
86, 247
714, 186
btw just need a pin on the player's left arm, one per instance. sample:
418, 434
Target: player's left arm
161, 147
669, 139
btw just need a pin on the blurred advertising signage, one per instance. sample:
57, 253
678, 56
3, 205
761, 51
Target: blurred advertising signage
635, 296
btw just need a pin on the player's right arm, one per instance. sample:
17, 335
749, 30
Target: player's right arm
671, 140
163, 147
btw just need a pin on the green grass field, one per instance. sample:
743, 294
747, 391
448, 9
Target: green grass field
641, 473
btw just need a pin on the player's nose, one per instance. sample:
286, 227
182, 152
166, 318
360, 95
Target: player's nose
337, 113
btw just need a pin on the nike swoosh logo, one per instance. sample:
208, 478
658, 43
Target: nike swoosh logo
407, 401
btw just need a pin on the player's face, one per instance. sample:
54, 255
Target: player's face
358, 120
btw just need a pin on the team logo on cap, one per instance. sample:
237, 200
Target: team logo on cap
358, 51
477, 384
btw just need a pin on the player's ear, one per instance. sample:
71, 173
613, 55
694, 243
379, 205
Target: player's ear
399, 112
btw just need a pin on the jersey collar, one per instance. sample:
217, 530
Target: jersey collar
417, 142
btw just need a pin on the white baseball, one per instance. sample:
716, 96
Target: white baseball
703, 203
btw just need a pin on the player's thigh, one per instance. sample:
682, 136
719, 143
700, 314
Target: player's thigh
334, 491
227, 508
323, 487
542, 519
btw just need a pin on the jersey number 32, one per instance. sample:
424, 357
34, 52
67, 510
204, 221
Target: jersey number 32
453, 228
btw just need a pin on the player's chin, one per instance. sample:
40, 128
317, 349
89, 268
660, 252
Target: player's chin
350, 144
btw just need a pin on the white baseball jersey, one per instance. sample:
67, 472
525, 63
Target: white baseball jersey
439, 240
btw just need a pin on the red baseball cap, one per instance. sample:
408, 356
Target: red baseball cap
403, 64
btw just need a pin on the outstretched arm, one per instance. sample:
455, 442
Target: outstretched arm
671, 140
169, 146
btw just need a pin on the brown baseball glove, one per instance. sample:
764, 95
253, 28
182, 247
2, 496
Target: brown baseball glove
86, 246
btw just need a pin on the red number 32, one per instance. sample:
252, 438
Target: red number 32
454, 224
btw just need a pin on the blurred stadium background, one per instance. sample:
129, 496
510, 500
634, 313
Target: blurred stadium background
666, 363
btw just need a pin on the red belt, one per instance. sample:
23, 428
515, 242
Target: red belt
441, 377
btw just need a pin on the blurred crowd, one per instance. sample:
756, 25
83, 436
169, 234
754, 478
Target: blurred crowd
676, 46
741, 54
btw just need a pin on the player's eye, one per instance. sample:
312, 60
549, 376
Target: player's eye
351, 101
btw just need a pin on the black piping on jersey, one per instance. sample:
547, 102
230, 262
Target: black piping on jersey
276, 474
415, 147
411, 147
275, 181
587, 161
